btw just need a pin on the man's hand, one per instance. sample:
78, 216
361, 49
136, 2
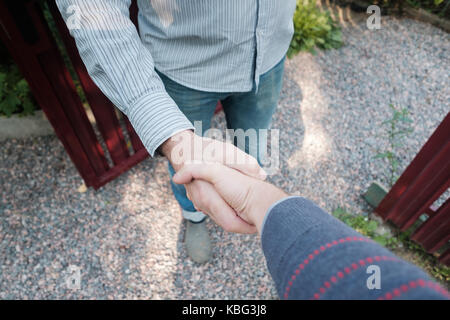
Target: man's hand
186, 147
249, 197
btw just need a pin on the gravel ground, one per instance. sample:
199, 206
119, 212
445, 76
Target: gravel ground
127, 237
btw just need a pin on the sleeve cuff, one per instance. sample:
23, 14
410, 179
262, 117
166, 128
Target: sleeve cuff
270, 209
155, 118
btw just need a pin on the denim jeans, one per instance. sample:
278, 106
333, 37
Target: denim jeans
243, 110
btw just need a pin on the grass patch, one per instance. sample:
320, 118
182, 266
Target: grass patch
397, 241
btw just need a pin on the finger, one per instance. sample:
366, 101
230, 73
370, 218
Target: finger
210, 172
204, 171
243, 162
188, 195
217, 208
233, 157
228, 219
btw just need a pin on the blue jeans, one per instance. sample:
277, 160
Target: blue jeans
243, 110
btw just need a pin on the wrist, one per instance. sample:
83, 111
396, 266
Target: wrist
262, 196
178, 148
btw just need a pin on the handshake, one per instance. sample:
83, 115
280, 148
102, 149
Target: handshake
228, 185
221, 181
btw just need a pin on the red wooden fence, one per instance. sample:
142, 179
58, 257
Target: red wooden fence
422, 183
25, 32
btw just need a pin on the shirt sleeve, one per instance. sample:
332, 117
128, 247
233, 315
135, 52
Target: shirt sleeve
312, 255
122, 67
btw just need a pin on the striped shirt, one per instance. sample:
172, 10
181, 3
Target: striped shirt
208, 45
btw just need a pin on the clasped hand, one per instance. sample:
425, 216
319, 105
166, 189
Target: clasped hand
221, 181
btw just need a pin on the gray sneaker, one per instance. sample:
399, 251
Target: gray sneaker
198, 244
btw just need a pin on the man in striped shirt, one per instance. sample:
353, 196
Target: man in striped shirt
188, 55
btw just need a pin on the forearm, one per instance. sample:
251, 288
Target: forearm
123, 68
310, 254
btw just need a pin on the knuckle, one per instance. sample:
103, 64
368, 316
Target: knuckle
199, 196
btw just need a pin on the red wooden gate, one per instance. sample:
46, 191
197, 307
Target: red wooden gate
422, 183
100, 151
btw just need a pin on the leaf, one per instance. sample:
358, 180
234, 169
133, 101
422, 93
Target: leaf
22, 88
383, 155
14, 92
380, 240
2, 78
9, 104
372, 226
28, 107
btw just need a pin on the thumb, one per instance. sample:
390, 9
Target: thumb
183, 176
204, 171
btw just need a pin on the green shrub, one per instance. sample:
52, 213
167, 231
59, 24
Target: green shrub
313, 28
15, 96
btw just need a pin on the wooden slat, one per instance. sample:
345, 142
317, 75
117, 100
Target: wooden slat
435, 232
445, 257
422, 159
52, 64
44, 94
134, 13
422, 183
120, 168
135, 141
64, 89
426, 189
101, 106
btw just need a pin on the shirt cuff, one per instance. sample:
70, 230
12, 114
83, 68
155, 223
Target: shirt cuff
155, 118
273, 206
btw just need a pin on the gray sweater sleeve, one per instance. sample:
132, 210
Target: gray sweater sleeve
312, 255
